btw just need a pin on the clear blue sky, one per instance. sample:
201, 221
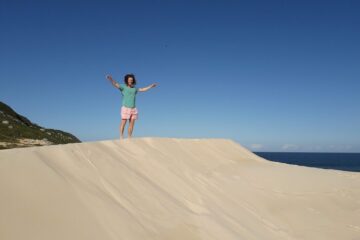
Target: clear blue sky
271, 75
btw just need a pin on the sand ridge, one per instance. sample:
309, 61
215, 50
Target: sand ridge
170, 188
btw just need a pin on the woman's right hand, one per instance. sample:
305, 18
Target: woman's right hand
109, 77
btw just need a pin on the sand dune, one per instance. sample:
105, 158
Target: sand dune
163, 188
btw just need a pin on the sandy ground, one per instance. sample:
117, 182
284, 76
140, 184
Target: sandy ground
165, 188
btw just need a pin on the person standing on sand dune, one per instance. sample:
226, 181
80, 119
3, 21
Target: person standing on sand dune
128, 108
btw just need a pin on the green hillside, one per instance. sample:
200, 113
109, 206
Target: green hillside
18, 131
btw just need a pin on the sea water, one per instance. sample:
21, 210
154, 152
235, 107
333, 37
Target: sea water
339, 161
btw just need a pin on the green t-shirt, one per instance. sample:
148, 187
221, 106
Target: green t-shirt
129, 95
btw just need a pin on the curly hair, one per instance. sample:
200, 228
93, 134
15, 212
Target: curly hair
127, 76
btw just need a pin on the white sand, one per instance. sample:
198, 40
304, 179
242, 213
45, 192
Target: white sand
162, 188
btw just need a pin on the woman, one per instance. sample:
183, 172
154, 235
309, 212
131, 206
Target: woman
128, 108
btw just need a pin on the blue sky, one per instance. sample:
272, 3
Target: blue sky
271, 75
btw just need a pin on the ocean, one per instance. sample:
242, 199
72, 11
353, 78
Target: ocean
338, 161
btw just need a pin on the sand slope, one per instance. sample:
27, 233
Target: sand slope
163, 188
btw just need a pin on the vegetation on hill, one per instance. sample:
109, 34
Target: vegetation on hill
18, 131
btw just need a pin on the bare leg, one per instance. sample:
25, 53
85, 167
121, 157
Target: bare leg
131, 127
122, 126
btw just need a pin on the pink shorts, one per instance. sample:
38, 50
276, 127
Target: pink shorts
129, 113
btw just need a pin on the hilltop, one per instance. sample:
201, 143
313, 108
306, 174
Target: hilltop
167, 188
18, 131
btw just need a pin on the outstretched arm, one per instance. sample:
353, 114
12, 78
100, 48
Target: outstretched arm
147, 88
113, 82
